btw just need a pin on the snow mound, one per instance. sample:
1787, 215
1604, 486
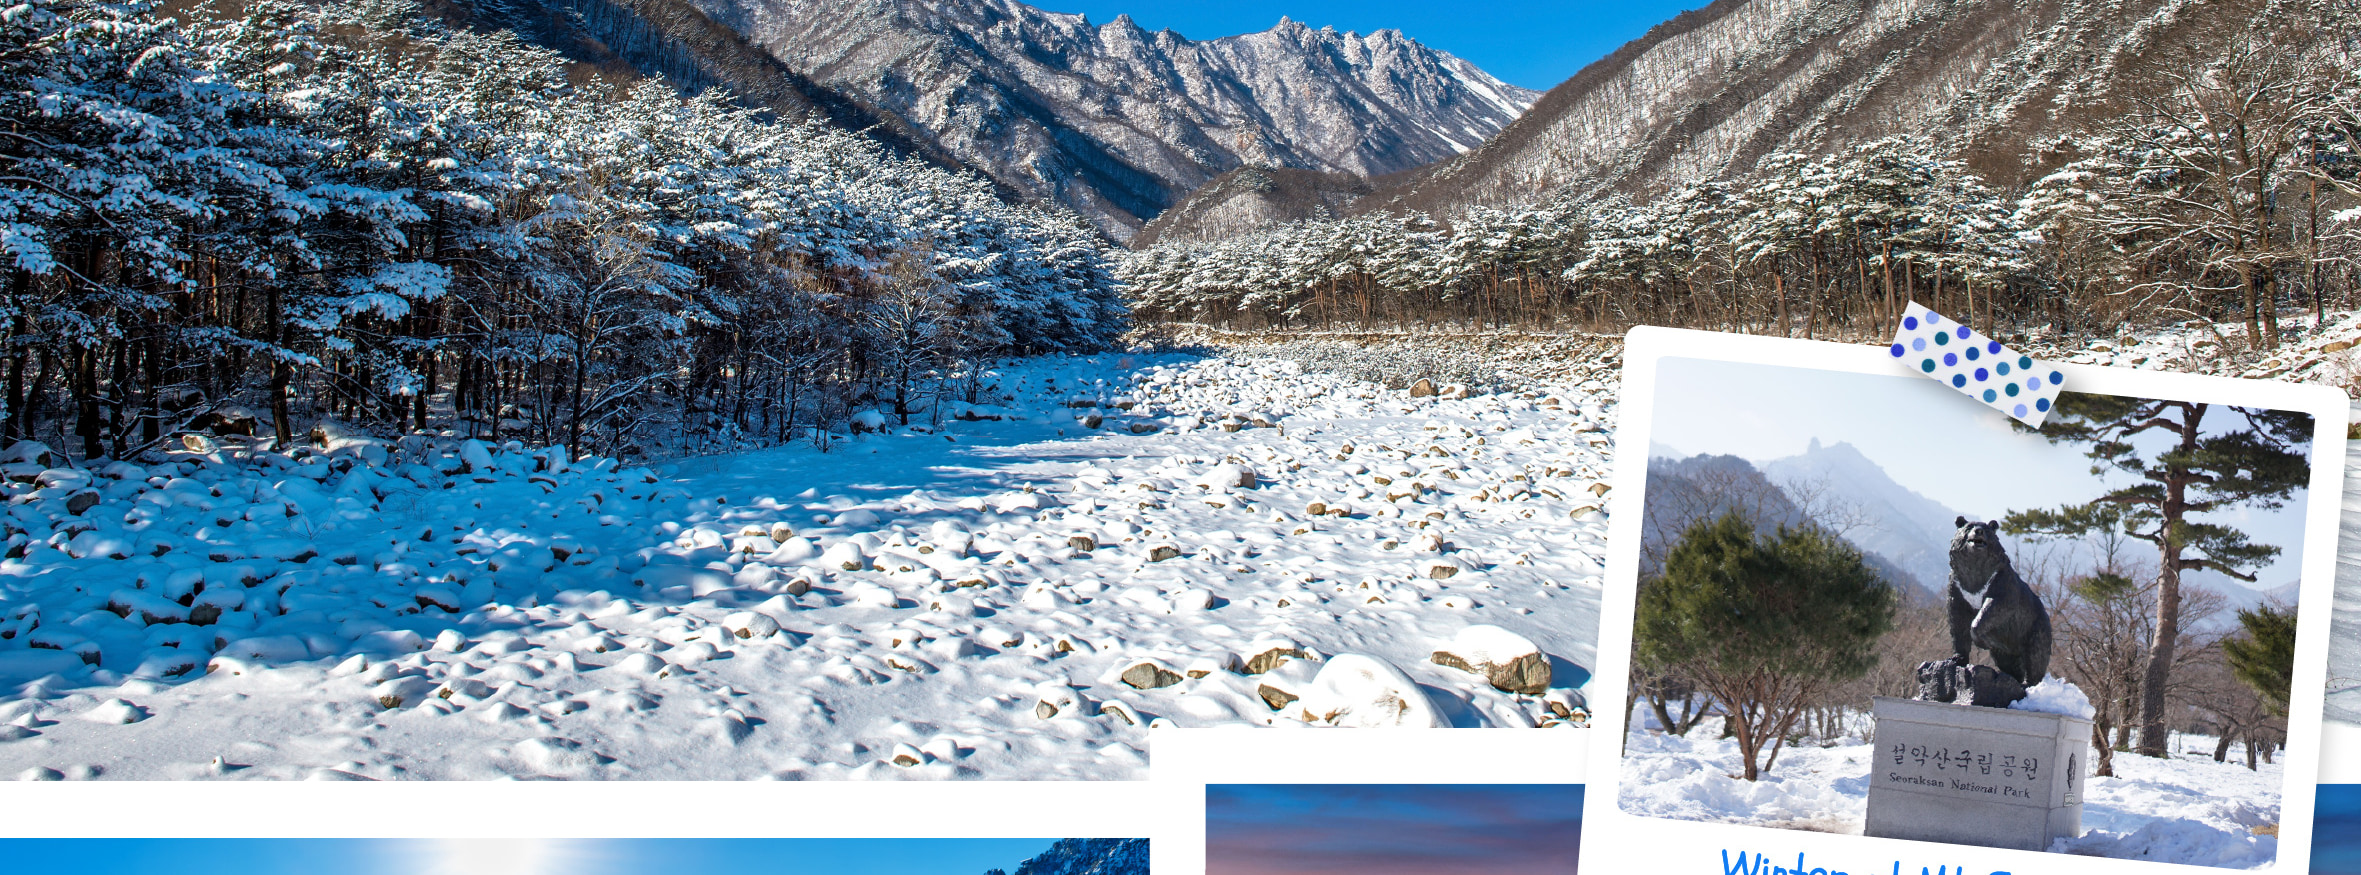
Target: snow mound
2055, 696
2179, 841
1364, 691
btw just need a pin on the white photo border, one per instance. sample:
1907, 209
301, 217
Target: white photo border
1614, 840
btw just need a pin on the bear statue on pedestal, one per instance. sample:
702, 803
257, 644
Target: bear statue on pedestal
1992, 608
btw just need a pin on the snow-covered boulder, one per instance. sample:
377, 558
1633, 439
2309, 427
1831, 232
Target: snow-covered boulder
115, 712
792, 551
1364, 691
407, 690
844, 555
475, 457
1228, 476
1190, 600
1507, 660
749, 625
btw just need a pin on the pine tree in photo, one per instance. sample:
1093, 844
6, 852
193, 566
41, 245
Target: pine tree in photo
2262, 656
1762, 623
2189, 461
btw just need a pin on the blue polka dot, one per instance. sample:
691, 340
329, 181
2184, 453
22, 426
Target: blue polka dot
1982, 375
1942, 338
2041, 404
1927, 366
2033, 385
1958, 381
1897, 350
2001, 369
2011, 389
1963, 332
2057, 379
1950, 360
1909, 324
1988, 396
1918, 343
2020, 411
2025, 361
1993, 347
1972, 354
1934, 318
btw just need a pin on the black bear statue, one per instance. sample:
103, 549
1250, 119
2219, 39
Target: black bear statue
1992, 608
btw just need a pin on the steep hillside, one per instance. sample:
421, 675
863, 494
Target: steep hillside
621, 41
1119, 122
1252, 197
1716, 89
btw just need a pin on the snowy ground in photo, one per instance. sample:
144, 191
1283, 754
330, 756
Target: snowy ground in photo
2344, 646
2187, 809
1017, 595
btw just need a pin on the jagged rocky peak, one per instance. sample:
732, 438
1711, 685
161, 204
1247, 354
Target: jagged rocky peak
1121, 123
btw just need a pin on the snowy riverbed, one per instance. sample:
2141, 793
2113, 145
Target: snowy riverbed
974, 602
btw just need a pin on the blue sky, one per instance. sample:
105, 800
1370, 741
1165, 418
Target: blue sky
516, 857
1932, 440
1392, 829
1533, 43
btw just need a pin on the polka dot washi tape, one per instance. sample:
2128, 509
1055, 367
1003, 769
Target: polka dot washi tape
1978, 366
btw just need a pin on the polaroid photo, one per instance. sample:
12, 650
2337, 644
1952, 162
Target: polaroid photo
1865, 624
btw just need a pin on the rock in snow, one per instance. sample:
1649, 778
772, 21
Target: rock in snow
1506, 659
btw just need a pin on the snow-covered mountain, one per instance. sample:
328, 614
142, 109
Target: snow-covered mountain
1088, 857
1887, 518
1120, 122
1684, 490
1715, 89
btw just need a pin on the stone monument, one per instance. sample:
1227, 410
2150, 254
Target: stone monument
1955, 764
1991, 777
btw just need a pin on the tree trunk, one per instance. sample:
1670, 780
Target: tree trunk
2154, 738
281, 374
2106, 752
86, 417
2254, 322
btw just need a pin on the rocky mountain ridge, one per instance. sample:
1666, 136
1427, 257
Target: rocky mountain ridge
1087, 857
1120, 122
